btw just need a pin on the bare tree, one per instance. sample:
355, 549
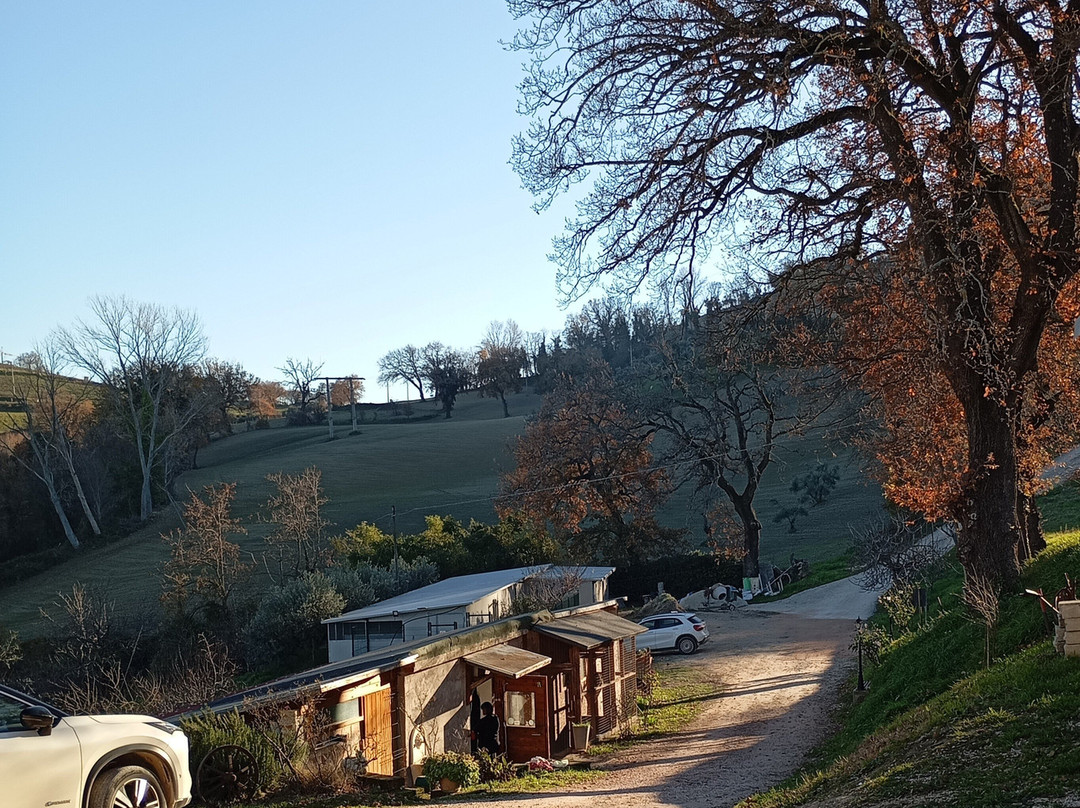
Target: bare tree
54, 410
302, 380
535, 347
404, 364
722, 426
295, 511
137, 351
205, 565
500, 362
893, 549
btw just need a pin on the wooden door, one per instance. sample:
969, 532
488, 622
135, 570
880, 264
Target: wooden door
378, 732
560, 710
527, 718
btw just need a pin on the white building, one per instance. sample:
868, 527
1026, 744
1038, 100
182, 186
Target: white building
461, 602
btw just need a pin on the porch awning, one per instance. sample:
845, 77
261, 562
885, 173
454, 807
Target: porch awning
508, 660
589, 630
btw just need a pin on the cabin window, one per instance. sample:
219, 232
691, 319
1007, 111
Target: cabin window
520, 709
345, 712
384, 629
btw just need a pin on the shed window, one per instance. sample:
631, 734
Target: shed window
384, 628
344, 712
520, 709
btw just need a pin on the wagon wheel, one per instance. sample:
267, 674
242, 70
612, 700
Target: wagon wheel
227, 773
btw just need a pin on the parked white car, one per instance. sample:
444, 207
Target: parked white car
49, 758
674, 631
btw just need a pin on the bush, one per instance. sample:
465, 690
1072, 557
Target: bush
494, 768
207, 731
462, 769
287, 627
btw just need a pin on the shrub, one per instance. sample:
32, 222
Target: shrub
494, 768
207, 731
898, 603
462, 769
10, 652
286, 626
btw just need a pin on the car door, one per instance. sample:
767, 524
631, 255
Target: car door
660, 635
667, 631
37, 770
647, 641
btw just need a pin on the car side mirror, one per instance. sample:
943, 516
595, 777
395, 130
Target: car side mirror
37, 718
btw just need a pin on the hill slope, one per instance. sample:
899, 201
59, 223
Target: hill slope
429, 465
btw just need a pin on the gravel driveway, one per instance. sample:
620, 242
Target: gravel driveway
780, 671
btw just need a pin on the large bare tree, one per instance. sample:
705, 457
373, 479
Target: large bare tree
403, 364
138, 353
302, 380
942, 135
501, 362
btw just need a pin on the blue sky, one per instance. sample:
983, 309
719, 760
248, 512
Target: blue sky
318, 179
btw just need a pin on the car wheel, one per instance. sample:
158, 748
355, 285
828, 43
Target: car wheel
127, 787
686, 645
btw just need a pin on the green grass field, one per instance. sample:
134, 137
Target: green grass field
429, 465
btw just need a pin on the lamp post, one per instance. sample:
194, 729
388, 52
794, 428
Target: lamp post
858, 638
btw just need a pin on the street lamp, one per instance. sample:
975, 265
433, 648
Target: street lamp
858, 637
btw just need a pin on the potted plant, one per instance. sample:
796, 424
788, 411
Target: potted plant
452, 770
581, 730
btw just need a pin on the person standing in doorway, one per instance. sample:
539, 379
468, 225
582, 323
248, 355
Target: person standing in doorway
488, 731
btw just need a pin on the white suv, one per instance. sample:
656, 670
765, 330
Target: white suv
49, 758
674, 631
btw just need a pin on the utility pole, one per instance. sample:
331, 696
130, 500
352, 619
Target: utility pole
329, 408
352, 401
393, 516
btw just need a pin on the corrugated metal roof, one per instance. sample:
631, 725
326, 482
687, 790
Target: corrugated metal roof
508, 660
590, 630
459, 591
325, 677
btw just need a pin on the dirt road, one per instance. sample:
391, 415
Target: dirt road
781, 673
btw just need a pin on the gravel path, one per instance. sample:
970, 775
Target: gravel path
780, 673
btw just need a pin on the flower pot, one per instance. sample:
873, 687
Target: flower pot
581, 735
448, 785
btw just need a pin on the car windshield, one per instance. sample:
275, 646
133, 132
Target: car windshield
694, 619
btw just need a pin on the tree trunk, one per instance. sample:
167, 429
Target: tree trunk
751, 536
990, 510
58, 506
146, 498
87, 511
1033, 540
506, 409
45, 474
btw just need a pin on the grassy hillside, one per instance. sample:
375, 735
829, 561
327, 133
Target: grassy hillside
423, 466
937, 728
